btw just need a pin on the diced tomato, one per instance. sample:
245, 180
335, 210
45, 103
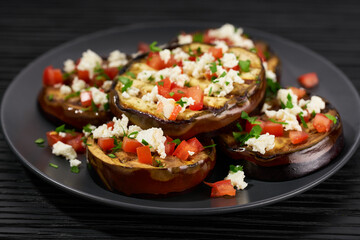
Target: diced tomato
83, 75
249, 126
144, 154
299, 92
143, 47
260, 54
210, 75
175, 112
77, 143
236, 68
197, 94
182, 151
192, 58
306, 118
169, 146
130, 145
297, 137
110, 125
106, 144
222, 188
85, 98
52, 138
154, 60
111, 72
322, 123
309, 80
273, 129
216, 52
195, 144
178, 93
52, 76
164, 87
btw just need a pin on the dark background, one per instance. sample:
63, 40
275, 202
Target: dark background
31, 208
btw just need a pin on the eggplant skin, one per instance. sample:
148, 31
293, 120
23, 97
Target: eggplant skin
207, 120
60, 111
293, 163
148, 180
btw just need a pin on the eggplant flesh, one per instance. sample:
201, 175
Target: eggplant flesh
70, 111
125, 174
217, 112
287, 161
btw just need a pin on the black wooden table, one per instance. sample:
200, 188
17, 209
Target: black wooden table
31, 208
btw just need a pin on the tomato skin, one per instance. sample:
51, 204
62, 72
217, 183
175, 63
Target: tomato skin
52, 138
83, 75
182, 151
77, 144
216, 52
86, 98
169, 146
197, 94
143, 47
249, 126
221, 188
144, 154
179, 92
106, 144
175, 112
195, 144
164, 87
73, 139
306, 118
309, 80
52, 76
154, 60
322, 123
111, 72
297, 137
299, 92
130, 145
273, 129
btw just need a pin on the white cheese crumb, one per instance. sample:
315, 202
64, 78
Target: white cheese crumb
284, 115
98, 96
117, 59
283, 94
188, 102
152, 96
168, 105
69, 66
155, 138
174, 74
237, 179
145, 75
107, 85
89, 61
191, 153
78, 84
262, 144
74, 163
221, 44
229, 60
180, 55
62, 134
131, 91
65, 90
268, 73
86, 134
165, 55
315, 104
234, 35
222, 86
199, 67
65, 150
185, 38
134, 128
119, 129
265, 107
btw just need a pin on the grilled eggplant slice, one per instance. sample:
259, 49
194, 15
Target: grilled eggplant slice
126, 174
216, 113
286, 160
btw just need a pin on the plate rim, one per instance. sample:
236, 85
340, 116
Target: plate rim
170, 210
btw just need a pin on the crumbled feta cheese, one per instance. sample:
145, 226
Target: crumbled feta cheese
188, 67
199, 68
86, 134
131, 91
117, 59
221, 44
229, 60
119, 129
187, 102
191, 153
268, 73
78, 84
152, 96
262, 144
234, 35
237, 179
125, 95
62, 134
145, 75
65, 150
107, 85
134, 128
74, 163
174, 74
89, 61
283, 94
180, 55
165, 55
265, 107
168, 105
224, 85
98, 96
155, 138
185, 38
65, 90
316, 104
69, 66
285, 115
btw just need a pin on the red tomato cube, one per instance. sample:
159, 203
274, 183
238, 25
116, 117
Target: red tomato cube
106, 144
144, 154
309, 80
297, 137
322, 123
130, 145
85, 98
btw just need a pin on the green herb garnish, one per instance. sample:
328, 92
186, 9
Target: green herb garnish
181, 92
223, 75
253, 50
251, 120
210, 90
288, 104
51, 97
236, 168
244, 65
171, 94
239, 127
176, 141
93, 106
213, 67
272, 120
161, 83
127, 82
302, 120
210, 146
181, 102
40, 141
131, 74
331, 117
75, 169
243, 137
53, 165
111, 155
133, 135
198, 37
144, 142
71, 95
159, 163
154, 48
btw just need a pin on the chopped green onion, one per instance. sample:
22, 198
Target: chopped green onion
171, 94
154, 48
331, 117
210, 146
272, 120
176, 141
75, 169
111, 155
244, 65
302, 120
131, 74
236, 168
53, 165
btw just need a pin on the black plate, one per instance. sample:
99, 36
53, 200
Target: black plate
22, 122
